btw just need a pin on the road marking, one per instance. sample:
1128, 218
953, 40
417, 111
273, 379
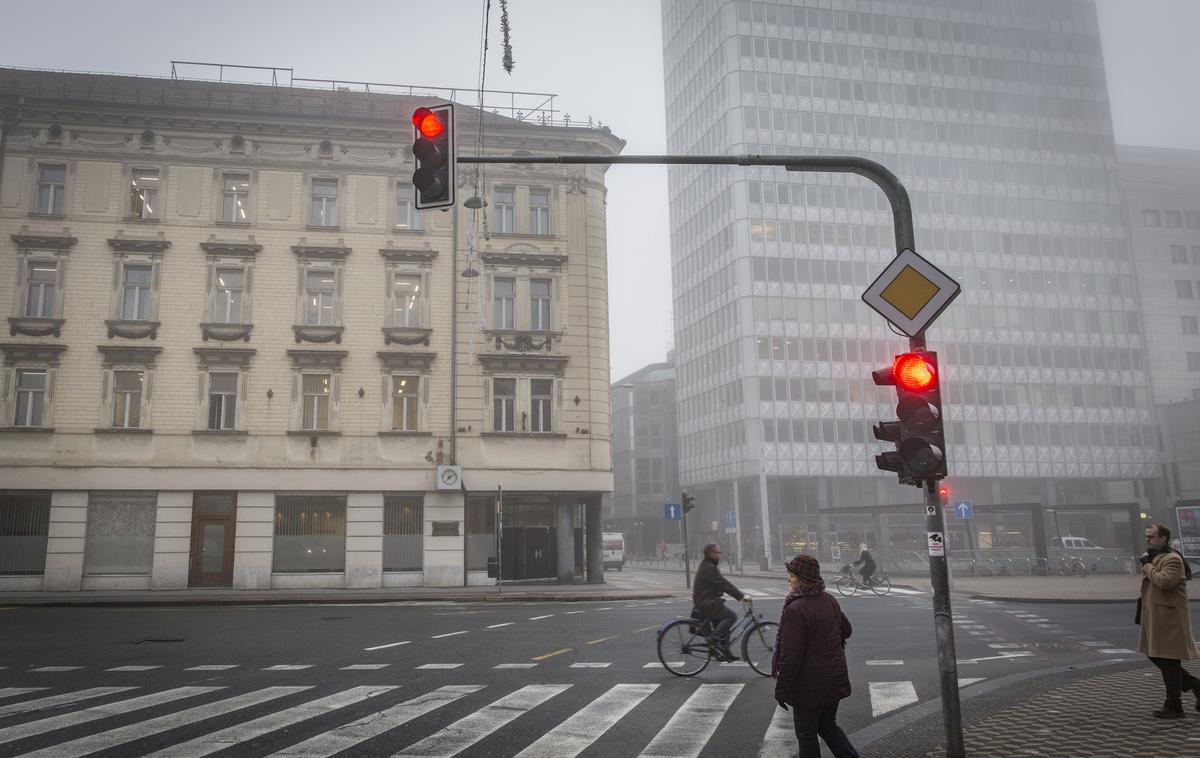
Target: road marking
1115, 651
609, 608
551, 655
734, 664
690, 728
568, 613
121, 735
390, 644
646, 628
134, 668
602, 639
53, 701
1022, 654
121, 707
14, 691
239, 733
470, 729
756, 593
54, 669
970, 680
349, 735
1004, 645
447, 634
539, 618
656, 664
585, 726
213, 667
365, 666
589, 665
1096, 644
780, 739
514, 666
885, 663
890, 696
497, 626
439, 665
289, 667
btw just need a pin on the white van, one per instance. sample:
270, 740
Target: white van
1074, 543
614, 550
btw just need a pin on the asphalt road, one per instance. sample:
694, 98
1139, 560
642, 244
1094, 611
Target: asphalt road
554, 679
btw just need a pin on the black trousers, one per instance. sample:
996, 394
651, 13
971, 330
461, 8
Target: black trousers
1175, 678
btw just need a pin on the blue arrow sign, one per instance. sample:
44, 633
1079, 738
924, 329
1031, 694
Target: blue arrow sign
730, 520
964, 509
672, 511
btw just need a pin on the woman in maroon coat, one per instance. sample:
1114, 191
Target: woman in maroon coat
810, 660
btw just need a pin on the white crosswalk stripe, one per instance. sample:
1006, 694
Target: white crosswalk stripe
62, 721
780, 739
54, 701
691, 726
468, 730
574, 735
14, 691
889, 696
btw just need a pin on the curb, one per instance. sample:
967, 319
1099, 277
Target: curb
324, 600
1055, 600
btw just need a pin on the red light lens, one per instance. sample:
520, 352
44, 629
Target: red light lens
913, 372
428, 123
945, 492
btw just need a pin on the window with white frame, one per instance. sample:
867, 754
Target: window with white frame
231, 287
143, 193
540, 405
324, 203
127, 398
539, 305
41, 281
504, 402
539, 211
407, 215
235, 198
135, 291
505, 210
222, 401
504, 291
320, 293
51, 190
315, 398
405, 398
406, 300
30, 397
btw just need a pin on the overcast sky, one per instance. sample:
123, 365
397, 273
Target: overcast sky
603, 59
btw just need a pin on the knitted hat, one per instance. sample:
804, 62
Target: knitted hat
805, 567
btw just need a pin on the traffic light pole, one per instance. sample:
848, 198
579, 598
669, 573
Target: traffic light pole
902, 222
687, 563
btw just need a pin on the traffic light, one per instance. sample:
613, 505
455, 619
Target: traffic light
918, 434
433, 148
689, 501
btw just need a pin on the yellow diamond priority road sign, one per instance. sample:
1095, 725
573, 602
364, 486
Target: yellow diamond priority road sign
911, 292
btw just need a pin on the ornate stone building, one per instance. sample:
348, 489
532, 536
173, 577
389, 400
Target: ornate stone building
238, 356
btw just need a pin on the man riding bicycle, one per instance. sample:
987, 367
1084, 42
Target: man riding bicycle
707, 591
867, 562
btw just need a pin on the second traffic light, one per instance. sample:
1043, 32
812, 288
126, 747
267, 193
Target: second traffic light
433, 149
918, 434
688, 501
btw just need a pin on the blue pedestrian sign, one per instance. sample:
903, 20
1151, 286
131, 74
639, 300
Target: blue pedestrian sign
730, 520
964, 509
672, 511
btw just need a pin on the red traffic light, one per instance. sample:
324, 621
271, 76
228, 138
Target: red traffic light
428, 123
913, 372
944, 493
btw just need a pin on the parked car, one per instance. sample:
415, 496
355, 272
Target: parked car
1074, 543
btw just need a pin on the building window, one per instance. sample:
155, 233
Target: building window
505, 210
222, 401
120, 533
316, 402
1150, 217
39, 299
324, 203
320, 289
403, 526
407, 215
504, 399
51, 190
127, 399
1183, 289
406, 291
504, 294
539, 305
1172, 220
539, 211
1193, 220
1179, 254
230, 291
24, 529
540, 397
31, 398
143, 193
135, 295
1193, 361
310, 534
1190, 325
235, 198
404, 403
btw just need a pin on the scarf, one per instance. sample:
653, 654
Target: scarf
800, 592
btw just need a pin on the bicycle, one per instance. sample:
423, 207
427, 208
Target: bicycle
847, 584
1071, 566
684, 647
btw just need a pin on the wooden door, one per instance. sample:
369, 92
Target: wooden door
214, 520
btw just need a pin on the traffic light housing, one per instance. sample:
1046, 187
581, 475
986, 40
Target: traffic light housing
918, 433
688, 501
433, 151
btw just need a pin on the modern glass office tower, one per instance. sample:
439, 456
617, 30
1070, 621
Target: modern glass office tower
995, 115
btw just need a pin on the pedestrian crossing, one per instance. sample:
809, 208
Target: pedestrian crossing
675, 718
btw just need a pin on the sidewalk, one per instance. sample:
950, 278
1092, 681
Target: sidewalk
1098, 712
1099, 588
224, 596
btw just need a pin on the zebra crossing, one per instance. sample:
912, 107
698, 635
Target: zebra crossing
315, 719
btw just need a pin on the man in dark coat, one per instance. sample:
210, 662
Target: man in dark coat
810, 660
707, 590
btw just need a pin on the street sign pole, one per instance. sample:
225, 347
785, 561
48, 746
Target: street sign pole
687, 565
499, 537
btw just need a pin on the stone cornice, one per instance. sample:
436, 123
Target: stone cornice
242, 249
395, 360
133, 245
396, 255
317, 359
60, 242
523, 258
224, 356
144, 356
31, 353
321, 252
520, 363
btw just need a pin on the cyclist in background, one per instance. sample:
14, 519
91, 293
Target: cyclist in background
707, 591
867, 562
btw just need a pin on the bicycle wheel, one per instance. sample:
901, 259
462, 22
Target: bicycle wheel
758, 646
881, 585
846, 585
682, 650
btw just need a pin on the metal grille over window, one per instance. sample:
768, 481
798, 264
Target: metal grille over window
310, 534
403, 517
120, 533
24, 527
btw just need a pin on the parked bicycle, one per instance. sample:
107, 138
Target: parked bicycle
685, 646
1071, 566
848, 583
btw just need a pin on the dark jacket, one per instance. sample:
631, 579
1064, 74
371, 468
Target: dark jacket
708, 588
810, 659
866, 561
